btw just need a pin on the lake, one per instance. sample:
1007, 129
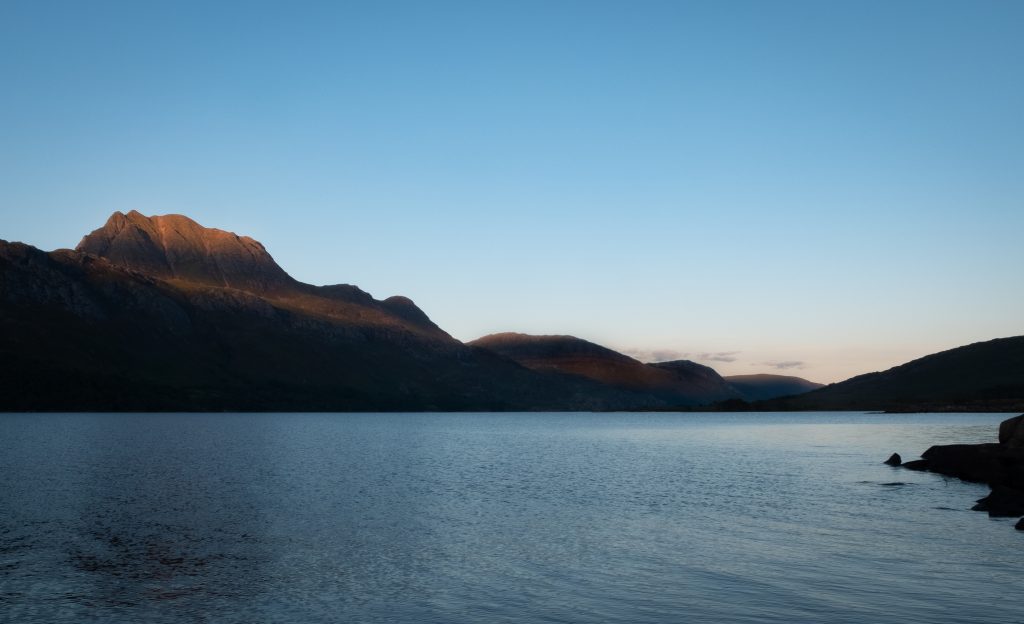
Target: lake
496, 518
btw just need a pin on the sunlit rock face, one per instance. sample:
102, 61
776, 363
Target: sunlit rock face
218, 270
176, 247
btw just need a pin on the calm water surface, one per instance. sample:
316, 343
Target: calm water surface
496, 518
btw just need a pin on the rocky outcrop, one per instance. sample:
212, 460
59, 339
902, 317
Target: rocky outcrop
1002, 502
1011, 432
1000, 465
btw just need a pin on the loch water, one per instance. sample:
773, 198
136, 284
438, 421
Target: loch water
451, 518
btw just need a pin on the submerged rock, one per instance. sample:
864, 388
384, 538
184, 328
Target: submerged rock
894, 460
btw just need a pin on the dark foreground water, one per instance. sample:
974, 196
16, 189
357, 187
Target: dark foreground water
495, 518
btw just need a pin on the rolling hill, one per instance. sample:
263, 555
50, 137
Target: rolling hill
679, 383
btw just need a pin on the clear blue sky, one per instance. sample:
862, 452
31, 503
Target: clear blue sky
820, 187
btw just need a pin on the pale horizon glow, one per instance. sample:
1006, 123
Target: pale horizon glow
801, 188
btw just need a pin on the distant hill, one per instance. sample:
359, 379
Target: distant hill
765, 386
677, 383
977, 377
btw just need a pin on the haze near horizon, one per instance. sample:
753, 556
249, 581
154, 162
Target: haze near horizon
817, 190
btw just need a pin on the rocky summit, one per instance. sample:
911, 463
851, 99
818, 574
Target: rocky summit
174, 247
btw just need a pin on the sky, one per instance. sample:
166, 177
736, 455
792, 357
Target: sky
815, 188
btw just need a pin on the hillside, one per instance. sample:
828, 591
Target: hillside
977, 377
678, 383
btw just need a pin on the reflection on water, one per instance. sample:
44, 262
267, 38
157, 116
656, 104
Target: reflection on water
495, 517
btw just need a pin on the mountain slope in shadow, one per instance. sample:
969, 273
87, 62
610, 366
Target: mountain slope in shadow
160, 313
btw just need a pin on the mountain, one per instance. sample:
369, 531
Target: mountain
984, 376
679, 383
764, 386
160, 313
205, 262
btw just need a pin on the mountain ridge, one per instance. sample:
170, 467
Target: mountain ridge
152, 314
160, 313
